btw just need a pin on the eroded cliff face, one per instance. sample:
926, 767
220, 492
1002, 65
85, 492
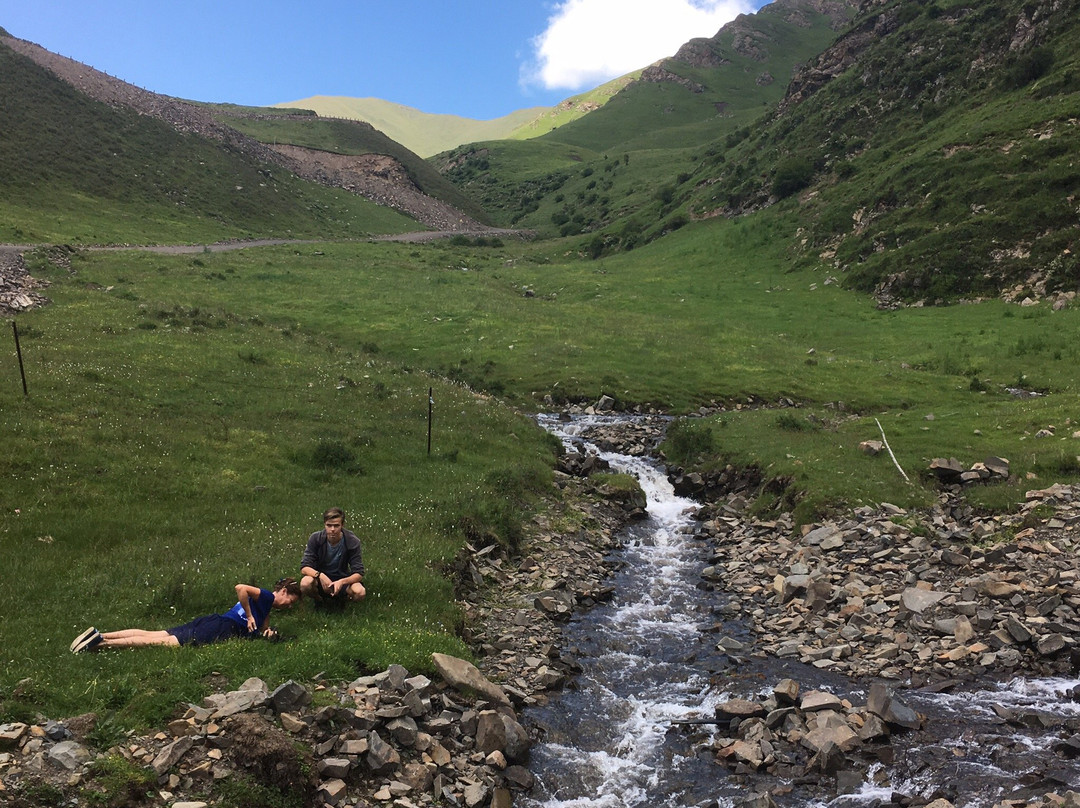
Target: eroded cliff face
380, 178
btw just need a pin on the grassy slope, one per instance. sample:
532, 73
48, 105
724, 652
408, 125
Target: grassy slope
168, 451
347, 137
649, 115
178, 404
639, 147
714, 313
79, 171
572, 108
941, 163
422, 132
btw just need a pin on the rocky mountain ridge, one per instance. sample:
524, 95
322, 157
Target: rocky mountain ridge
379, 178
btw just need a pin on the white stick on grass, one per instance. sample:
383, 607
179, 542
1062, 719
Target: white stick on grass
886, 442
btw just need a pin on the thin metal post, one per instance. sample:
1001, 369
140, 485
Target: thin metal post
18, 352
430, 407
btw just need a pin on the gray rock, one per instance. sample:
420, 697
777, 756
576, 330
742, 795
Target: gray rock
919, 600
290, 697
417, 777
334, 768
403, 730
381, 756
518, 743
519, 777
963, 631
947, 470
786, 691
69, 755
840, 736
738, 708
759, 799
465, 676
1017, 630
10, 735
490, 732
883, 703
816, 700
332, 792
171, 755
824, 533
792, 585
1050, 644
251, 694
829, 759
475, 794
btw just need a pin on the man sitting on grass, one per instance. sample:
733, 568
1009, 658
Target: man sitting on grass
332, 564
248, 618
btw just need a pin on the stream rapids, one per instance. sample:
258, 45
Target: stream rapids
633, 728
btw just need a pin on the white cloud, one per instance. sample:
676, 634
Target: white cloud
588, 42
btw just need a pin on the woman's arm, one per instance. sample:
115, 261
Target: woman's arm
245, 594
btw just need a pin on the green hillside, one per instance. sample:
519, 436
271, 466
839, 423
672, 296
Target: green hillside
713, 85
422, 132
343, 137
573, 108
81, 171
647, 140
931, 150
939, 163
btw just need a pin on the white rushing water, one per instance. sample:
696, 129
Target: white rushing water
606, 737
609, 740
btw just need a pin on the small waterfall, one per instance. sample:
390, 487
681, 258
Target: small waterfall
645, 658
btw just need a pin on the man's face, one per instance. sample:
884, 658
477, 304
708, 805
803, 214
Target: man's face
333, 529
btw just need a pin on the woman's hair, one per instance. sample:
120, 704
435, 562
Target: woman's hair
290, 585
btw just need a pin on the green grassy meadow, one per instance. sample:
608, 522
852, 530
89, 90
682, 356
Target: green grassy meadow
190, 416
168, 452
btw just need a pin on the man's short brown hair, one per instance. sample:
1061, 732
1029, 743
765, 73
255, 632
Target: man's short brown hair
333, 513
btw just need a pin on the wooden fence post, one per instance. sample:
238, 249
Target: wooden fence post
18, 352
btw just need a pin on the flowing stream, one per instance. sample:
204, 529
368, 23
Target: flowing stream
619, 736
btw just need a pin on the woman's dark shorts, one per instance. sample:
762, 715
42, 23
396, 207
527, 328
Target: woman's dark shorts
208, 629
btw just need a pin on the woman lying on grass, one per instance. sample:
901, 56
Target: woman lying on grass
246, 619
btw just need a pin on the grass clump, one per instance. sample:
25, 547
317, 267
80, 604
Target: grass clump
115, 782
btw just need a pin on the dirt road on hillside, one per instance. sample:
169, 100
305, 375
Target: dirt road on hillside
417, 237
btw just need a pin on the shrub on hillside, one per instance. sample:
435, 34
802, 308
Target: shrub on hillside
792, 175
1032, 65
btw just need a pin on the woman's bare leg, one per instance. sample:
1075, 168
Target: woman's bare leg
136, 638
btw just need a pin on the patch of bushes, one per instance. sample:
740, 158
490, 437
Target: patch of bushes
334, 455
792, 175
1028, 67
792, 423
689, 439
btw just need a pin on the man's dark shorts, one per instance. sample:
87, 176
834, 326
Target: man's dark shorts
208, 629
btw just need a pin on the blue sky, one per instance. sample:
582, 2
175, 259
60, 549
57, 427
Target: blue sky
476, 58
